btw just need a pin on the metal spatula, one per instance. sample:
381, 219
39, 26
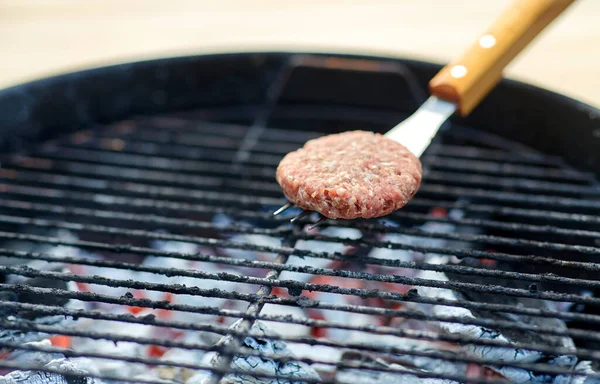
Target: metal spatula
466, 80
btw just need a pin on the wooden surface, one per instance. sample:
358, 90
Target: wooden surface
43, 37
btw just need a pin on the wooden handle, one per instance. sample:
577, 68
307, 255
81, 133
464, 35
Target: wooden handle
469, 78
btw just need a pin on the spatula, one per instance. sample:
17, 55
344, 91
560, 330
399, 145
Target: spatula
466, 80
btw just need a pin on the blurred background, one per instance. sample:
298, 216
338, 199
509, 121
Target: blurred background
44, 37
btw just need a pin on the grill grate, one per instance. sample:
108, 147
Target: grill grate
143, 242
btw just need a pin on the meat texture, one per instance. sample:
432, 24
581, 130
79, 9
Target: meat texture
350, 175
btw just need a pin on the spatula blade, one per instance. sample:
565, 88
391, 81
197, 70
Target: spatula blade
416, 132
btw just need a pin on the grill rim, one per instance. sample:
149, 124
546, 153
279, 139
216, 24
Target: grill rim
46, 108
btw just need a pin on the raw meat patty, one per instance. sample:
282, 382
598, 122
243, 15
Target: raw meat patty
349, 175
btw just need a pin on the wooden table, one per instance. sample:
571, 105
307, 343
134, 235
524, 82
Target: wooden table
43, 37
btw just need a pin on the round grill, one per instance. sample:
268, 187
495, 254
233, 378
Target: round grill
137, 232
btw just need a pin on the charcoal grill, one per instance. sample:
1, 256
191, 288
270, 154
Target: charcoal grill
100, 166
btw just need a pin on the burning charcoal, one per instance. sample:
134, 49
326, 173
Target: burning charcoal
253, 255
34, 247
110, 348
200, 301
411, 361
34, 357
406, 255
286, 328
255, 239
173, 374
44, 299
151, 376
261, 341
498, 354
318, 247
44, 282
438, 366
522, 376
66, 367
9, 296
364, 375
19, 336
318, 352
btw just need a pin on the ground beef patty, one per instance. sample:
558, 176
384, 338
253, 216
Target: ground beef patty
349, 175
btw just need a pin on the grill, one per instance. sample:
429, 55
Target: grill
138, 244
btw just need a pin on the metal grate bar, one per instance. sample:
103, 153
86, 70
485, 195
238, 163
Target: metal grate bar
547, 215
158, 362
198, 134
521, 213
206, 139
410, 297
556, 202
242, 155
153, 219
283, 230
224, 154
485, 154
189, 131
239, 199
589, 266
495, 183
199, 183
495, 168
510, 197
173, 153
490, 224
128, 204
124, 215
317, 271
212, 128
7, 364
405, 214
169, 152
209, 139
125, 201
31, 167
232, 199
306, 303
487, 239
295, 285
116, 148
227, 349
222, 330
312, 270
144, 162
225, 358
302, 302
192, 124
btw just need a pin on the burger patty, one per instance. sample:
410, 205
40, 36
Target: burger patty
349, 175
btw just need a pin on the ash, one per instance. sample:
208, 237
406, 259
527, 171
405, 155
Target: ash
72, 371
400, 374
263, 340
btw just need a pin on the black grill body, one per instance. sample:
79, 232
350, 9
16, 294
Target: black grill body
136, 209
